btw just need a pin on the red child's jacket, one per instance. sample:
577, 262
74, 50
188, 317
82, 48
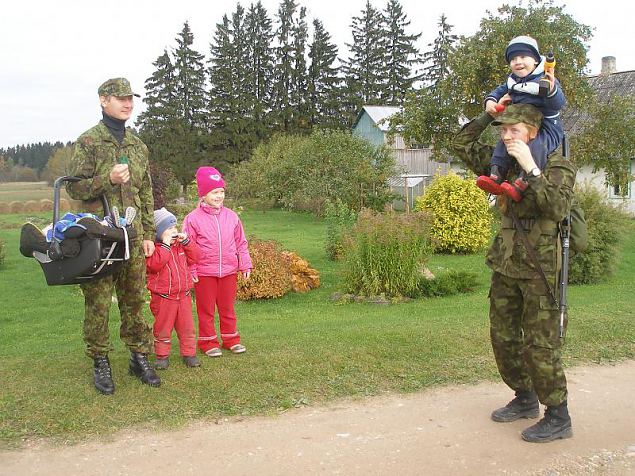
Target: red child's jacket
168, 269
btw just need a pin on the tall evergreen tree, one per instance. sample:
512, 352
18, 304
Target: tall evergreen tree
323, 80
160, 97
289, 91
174, 125
260, 60
190, 79
401, 54
237, 114
365, 70
436, 61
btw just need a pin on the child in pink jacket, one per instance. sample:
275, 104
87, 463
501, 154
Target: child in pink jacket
224, 253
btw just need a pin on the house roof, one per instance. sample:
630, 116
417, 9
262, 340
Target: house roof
379, 115
605, 85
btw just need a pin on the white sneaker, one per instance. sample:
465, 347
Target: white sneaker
215, 352
238, 348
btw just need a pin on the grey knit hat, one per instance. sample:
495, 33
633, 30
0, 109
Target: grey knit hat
163, 220
522, 45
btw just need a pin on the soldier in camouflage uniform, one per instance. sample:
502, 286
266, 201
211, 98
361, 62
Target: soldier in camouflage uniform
111, 160
524, 319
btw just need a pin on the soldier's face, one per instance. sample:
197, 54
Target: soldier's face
518, 131
119, 107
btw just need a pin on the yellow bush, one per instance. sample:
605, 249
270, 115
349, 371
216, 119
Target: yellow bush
461, 215
4, 208
275, 273
271, 277
303, 277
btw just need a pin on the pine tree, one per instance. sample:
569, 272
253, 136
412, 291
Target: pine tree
323, 80
436, 59
365, 70
401, 54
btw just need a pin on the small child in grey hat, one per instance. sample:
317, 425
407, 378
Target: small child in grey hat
170, 284
527, 67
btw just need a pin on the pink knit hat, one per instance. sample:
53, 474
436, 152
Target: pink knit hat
207, 179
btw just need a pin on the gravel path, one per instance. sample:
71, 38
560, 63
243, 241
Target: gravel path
445, 431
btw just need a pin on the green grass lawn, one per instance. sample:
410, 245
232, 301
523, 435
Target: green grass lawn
303, 349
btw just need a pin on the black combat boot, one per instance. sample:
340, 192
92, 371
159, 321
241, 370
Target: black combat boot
141, 368
525, 405
103, 375
555, 424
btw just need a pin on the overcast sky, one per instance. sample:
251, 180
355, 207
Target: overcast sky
54, 54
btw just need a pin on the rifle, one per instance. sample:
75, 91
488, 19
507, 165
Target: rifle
565, 234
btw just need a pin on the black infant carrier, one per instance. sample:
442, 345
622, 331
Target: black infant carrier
82, 250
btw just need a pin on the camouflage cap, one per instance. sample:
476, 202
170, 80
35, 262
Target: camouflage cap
119, 87
515, 113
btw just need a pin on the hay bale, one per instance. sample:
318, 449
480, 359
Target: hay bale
46, 205
4, 208
65, 205
31, 206
16, 207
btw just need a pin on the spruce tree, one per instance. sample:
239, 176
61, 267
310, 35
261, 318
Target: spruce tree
174, 126
436, 60
323, 80
260, 61
290, 99
401, 54
365, 69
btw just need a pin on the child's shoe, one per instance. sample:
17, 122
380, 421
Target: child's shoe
191, 361
162, 363
238, 348
491, 183
515, 190
215, 352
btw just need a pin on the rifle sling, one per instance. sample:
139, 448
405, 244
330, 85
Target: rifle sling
532, 254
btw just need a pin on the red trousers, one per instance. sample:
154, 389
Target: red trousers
170, 314
212, 293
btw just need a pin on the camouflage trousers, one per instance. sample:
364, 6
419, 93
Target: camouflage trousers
524, 329
129, 286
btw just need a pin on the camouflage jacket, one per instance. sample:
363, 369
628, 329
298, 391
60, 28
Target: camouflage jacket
96, 152
546, 202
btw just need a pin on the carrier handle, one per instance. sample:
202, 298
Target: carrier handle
56, 197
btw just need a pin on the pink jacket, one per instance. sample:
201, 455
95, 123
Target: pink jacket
221, 240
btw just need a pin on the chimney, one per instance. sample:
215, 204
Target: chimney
608, 65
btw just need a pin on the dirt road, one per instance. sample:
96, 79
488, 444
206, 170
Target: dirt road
446, 431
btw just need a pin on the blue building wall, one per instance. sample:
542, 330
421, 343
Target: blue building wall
367, 129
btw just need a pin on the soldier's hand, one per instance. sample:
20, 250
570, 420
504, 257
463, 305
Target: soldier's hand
148, 247
520, 151
119, 174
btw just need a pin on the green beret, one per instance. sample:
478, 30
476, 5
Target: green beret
119, 87
515, 113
